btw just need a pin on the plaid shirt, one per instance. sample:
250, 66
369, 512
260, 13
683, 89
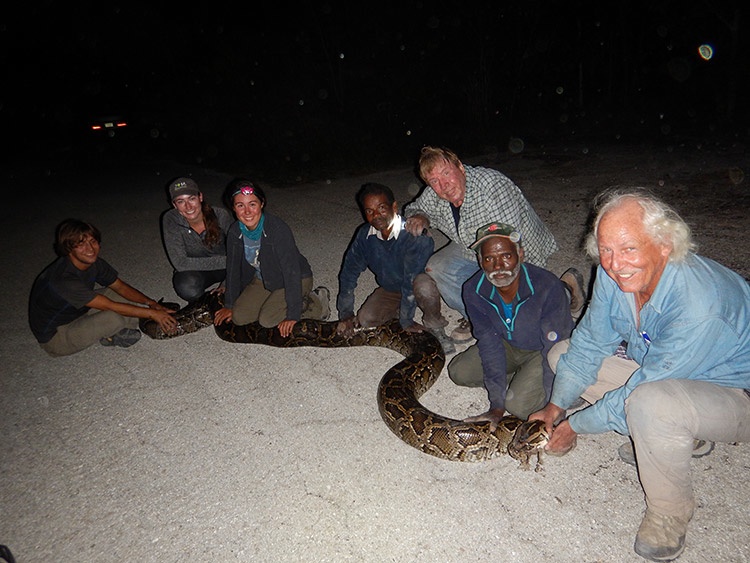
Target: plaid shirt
490, 196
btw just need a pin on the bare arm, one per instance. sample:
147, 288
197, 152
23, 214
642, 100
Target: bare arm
152, 309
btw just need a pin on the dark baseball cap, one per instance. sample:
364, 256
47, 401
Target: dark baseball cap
495, 230
183, 186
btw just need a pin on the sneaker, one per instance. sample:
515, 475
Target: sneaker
659, 537
445, 341
324, 296
462, 332
573, 279
123, 339
701, 448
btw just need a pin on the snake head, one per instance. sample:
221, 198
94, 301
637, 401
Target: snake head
529, 439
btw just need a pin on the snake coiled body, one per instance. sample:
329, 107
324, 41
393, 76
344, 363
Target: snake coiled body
399, 389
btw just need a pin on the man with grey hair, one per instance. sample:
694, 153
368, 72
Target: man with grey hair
457, 200
686, 321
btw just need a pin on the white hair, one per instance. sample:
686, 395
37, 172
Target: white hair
662, 223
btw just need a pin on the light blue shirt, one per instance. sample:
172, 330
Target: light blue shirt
696, 325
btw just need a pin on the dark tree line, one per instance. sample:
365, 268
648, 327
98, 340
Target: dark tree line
305, 83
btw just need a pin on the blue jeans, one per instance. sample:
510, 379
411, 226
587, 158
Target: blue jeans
450, 269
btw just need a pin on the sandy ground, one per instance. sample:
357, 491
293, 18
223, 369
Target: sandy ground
195, 449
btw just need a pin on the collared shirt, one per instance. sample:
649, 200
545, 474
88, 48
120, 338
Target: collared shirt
490, 196
395, 262
396, 226
696, 325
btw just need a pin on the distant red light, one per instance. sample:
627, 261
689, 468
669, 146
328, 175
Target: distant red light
104, 125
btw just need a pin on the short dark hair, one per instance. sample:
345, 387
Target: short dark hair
71, 232
372, 188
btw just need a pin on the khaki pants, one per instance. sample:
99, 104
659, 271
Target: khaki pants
525, 377
382, 306
664, 417
89, 329
268, 308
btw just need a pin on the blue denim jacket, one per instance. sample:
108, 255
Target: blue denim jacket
695, 326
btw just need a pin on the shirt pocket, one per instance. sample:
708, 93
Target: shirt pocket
623, 326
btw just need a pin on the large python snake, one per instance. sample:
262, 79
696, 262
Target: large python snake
399, 389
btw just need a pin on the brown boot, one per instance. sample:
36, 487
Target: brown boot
428, 300
660, 537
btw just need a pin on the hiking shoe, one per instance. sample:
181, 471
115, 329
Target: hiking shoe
659, 537
123, 339
701, 448
462, 332
445, 341
573, 279
324, 297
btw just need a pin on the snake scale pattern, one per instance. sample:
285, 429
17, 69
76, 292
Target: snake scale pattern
399, 389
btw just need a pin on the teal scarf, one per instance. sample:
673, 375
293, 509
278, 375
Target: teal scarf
256, 232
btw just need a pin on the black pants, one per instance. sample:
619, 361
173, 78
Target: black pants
191, 285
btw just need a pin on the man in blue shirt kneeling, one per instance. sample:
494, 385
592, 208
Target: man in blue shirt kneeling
396, 258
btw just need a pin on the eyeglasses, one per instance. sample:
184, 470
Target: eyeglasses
244, 190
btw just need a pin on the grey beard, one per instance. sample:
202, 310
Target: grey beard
512, 275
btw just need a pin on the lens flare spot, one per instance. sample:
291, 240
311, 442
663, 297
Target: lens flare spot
516, 145
706, 52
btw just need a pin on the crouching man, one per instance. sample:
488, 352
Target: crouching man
686, 320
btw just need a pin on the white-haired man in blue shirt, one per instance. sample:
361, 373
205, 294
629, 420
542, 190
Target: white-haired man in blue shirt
686, 321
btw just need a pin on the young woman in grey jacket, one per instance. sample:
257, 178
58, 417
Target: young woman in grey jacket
195, 240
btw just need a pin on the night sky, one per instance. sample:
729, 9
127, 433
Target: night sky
313, 84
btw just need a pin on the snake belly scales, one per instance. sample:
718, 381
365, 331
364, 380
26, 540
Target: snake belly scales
399, 389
